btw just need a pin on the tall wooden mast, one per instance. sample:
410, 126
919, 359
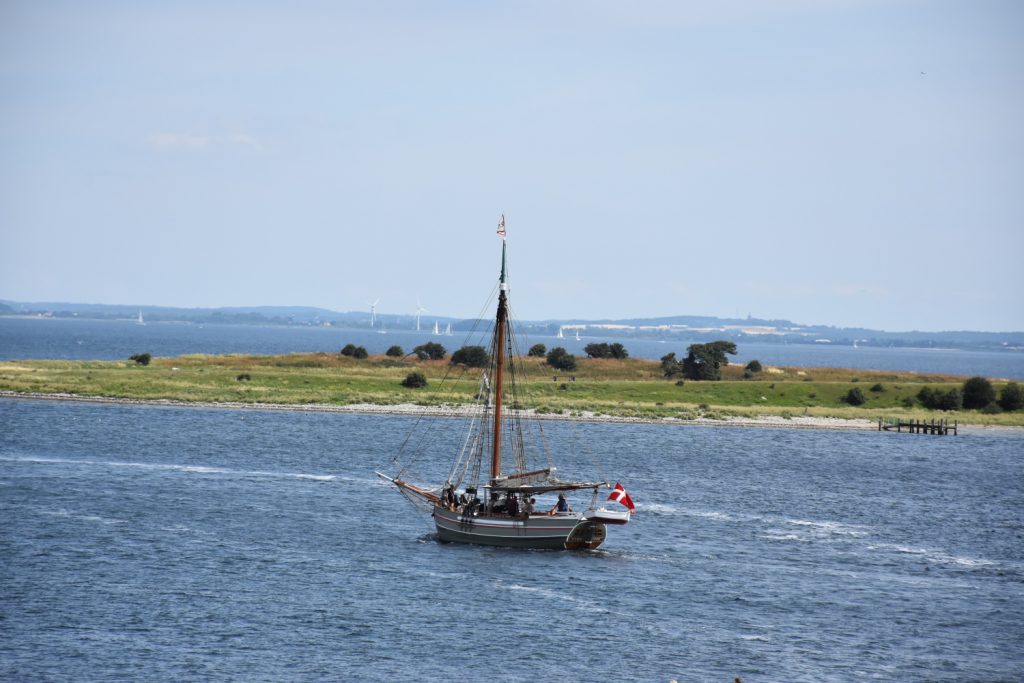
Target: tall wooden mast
499, 362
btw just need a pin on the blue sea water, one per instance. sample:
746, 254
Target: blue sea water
154, 543
73, 339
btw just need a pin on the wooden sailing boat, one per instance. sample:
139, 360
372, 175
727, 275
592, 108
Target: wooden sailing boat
497, 506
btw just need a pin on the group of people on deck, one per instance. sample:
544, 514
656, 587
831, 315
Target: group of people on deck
511, 504
521, 505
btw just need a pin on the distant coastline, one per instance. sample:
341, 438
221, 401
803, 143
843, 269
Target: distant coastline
669, 329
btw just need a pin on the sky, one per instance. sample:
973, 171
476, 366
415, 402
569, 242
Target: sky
842, 162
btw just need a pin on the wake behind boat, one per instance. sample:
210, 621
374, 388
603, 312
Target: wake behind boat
497, 505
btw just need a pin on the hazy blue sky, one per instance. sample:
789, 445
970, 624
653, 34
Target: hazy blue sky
843, 162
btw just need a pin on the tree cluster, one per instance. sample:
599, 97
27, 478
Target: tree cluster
937, 399
537, 351
702, 362
141, 358
605, 350
560, 359
977, 393
353, 351
471, 357
1011, 397
430, 351
395, 351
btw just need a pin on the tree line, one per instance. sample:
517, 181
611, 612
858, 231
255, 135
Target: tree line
977, 393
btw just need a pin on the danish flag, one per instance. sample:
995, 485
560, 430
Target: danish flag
501, 226
619, 495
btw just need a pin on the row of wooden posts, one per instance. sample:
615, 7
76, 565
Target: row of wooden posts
939, 427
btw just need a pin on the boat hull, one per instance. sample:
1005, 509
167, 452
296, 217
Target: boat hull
539, 532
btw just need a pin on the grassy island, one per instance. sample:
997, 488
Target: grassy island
618, 388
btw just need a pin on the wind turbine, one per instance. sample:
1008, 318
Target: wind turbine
373, 311
419, 310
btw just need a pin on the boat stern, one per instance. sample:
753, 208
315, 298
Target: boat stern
605, 516
586, 535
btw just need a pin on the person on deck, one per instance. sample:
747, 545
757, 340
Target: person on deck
528, 507
561, 506
497, 503
448, 497
513, 506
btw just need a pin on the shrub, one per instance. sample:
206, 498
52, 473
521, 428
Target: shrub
244, 377
878, 388
992, 409
430, 350
471, 356
936, 399
141, 358
754, 366
978, 393
414, 380
537, 351
349, 350
855, 397
1011, 397
560, 359
360, 353
395, 352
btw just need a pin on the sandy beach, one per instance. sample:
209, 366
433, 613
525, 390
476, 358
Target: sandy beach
409, 409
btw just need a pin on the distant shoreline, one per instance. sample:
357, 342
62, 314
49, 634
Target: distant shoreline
413, 410
668, 329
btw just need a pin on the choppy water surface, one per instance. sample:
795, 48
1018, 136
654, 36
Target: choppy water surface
143, 543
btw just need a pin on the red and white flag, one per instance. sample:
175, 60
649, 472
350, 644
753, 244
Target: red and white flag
619, 495
501, 226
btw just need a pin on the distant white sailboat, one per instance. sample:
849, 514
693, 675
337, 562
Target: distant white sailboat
560, 335
140, 321
577, 334
436, 329
448, 330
